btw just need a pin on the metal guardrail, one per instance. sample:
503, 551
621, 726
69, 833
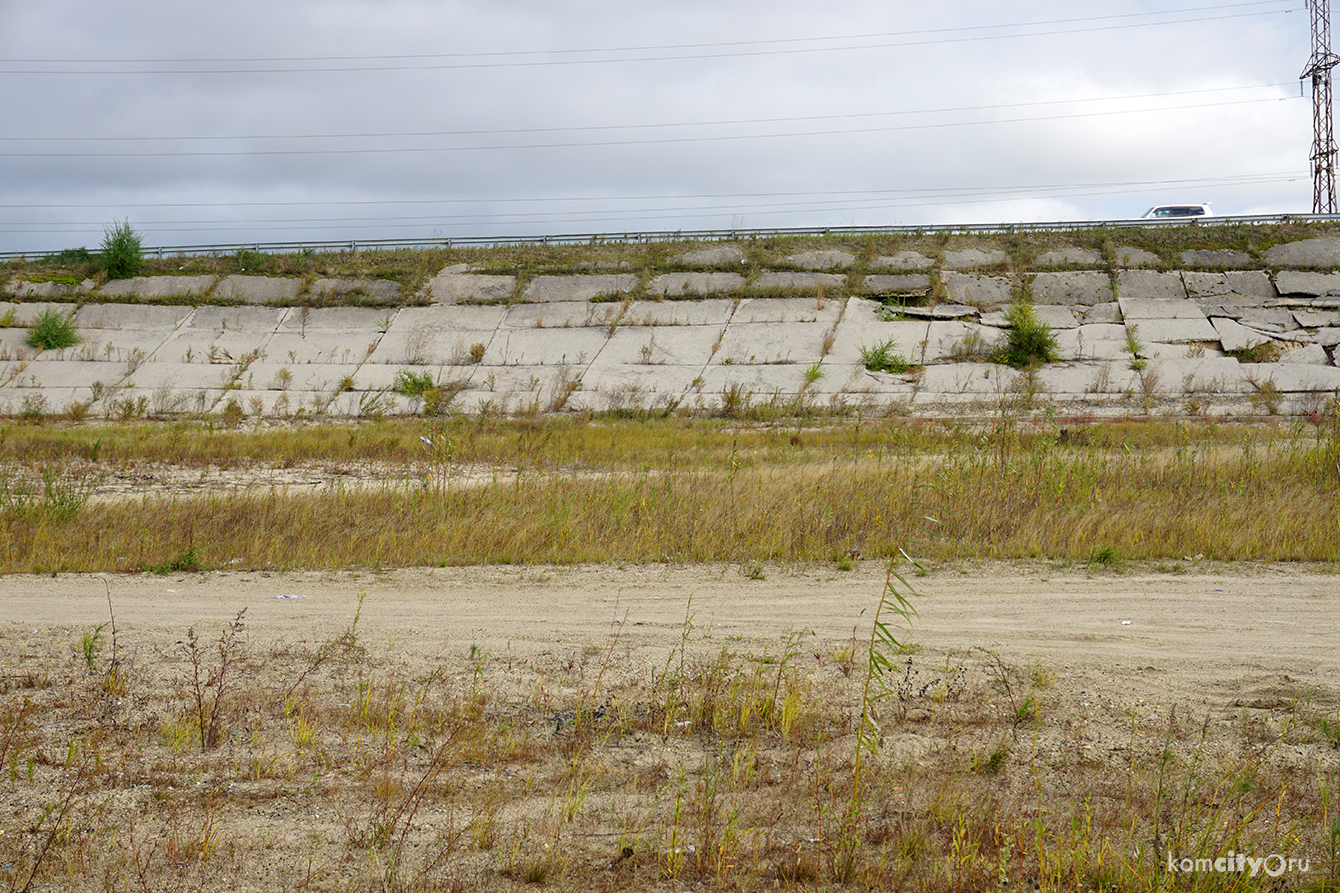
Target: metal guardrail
705, 235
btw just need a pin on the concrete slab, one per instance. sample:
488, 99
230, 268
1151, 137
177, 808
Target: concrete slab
1175, 330
159, 287
1056, 317
43, 373
1092, 342
1297, 282
545, 347
968, 378
787, 310
127, 345
659, 345
677, 285
1105, 313
974, 258
977, 289
856, 332
903, 260
946, 339
1213, 259
821, 260
258, 289
1081, 288
1130, 256
1268, 319
896, 284
938, 311
1295, 378
1316, 319
27, 312
581, 287
316, 347
761, 381
255, 320
1149, 285
1310, 355
562, 315
1136, 309
27, 289
713, 311
716, 256
760, 343
160, 318
451, 286
1321, 252
1328, 337
1252, 287
1070, 256
639, 387
356, 322
1235, 336
384, 291
305, 376
181, 376
211, 345
832, 283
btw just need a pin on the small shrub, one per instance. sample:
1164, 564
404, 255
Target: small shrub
1028, 340
122, 251
53, 331
1265, 352
409, 383
884, 358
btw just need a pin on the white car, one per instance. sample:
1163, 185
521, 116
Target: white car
1166, 212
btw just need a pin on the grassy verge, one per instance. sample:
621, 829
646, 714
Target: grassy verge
566, 491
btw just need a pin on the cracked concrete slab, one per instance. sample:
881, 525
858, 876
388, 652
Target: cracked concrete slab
458, 287
677, 285
579, 287
977, 289
659, 345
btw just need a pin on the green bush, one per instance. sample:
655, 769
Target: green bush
122, 251
1028, 341
413, 384
53, 331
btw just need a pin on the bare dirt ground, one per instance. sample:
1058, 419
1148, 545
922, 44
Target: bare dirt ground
1202, 638
1123, 650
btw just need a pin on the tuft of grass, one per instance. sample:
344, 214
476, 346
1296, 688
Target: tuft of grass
884, 357
53, 330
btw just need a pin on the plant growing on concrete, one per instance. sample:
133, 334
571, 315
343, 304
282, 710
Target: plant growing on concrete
122, 251
53, 330
1028, 340
884, 357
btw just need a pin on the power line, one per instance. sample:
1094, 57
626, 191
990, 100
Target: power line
712, 51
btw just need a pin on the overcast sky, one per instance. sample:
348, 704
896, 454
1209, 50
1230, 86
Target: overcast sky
249, 121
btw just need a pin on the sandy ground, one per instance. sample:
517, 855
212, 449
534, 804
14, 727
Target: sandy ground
1242, 637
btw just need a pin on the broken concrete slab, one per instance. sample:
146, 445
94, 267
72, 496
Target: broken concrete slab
903, 260
939, 311
1136, 309
1149, 285
821, 260
948, 341
1294, 378
451, 287
1235, 336
1316, 319
581, 287
1173, 330
1081, 288
677, 285
1296, 282
857, 332
1320, 252
25, 288
1328, 337
1311, 355
1268, 320
564, 315
986, 379
1232, 287
1092, 342
1054, 316
545, 347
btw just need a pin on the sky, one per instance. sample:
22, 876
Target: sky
321, 120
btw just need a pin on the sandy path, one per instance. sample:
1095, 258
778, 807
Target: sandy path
1209, 639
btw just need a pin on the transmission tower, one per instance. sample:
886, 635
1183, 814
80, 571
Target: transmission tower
1323, 133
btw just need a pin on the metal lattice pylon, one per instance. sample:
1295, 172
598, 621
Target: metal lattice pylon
1323, 135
